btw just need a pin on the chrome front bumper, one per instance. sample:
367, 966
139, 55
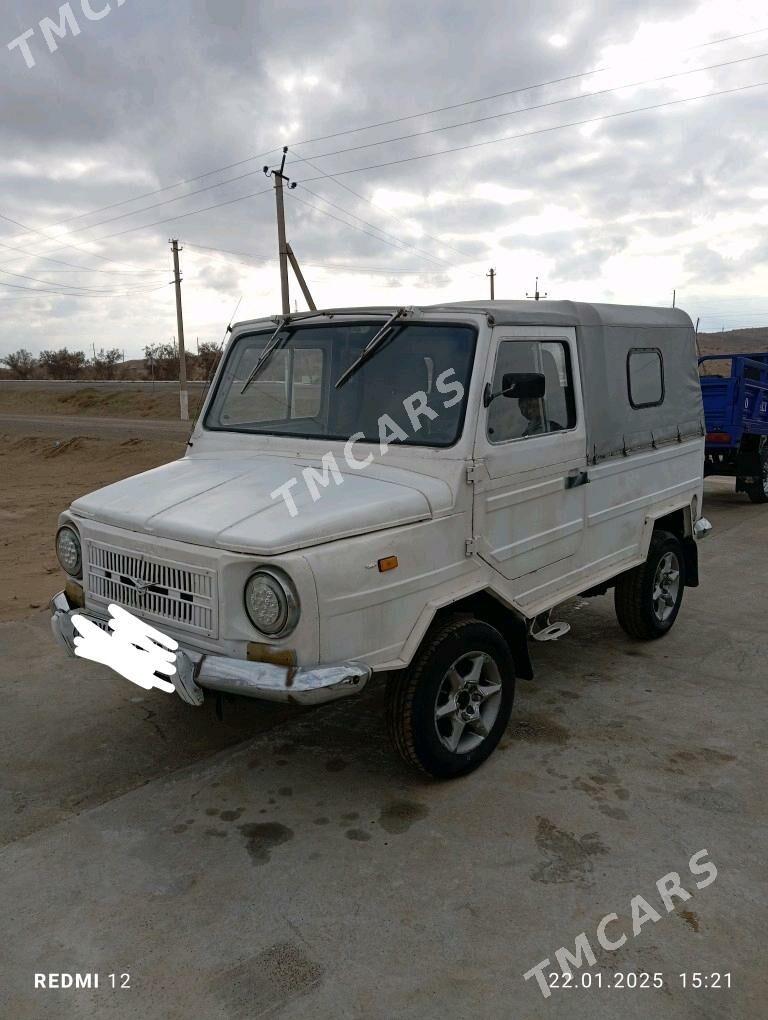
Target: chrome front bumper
196, 672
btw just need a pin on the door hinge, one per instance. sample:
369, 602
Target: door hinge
473, 473
470, 547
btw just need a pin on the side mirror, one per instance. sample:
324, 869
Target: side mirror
519, 385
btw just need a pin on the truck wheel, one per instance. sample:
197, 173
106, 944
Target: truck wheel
758, 493
446, 713
647, 598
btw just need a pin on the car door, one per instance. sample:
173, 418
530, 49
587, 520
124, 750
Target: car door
530, 456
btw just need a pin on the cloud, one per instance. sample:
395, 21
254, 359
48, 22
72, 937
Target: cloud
150, 95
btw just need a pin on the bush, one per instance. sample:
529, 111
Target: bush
21, 363
62, 364
105, 363
162, 362
208, 358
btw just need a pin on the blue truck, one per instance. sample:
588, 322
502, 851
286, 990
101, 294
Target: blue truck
736, 413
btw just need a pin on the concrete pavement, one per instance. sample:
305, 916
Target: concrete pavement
285, 864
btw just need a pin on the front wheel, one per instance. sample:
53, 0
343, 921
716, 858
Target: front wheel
648, 598
447, 712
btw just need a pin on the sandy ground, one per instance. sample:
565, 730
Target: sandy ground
99, 401
40, 478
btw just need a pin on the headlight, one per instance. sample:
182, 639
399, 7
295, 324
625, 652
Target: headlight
271, 602
68, 551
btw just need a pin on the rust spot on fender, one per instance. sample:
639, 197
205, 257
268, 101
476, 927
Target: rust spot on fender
258, 652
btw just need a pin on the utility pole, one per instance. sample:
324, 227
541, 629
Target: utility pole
536, 296
279, 177
183, 394
285, 251
492, 275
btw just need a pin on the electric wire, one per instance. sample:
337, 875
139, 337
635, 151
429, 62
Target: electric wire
389, 122
540, 131
539, 106
416, 134
347, 268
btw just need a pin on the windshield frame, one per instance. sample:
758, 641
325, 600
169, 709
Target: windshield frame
362, 321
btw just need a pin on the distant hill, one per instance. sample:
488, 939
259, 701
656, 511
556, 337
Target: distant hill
735, 341
731, 341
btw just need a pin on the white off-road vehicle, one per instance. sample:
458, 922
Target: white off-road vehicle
406, 493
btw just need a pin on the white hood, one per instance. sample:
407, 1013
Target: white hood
224, 502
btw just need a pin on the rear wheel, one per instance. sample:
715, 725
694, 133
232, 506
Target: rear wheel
447, 712
648, 598
758, 491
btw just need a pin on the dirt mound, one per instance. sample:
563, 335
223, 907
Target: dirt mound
111, 401
67, 446
33, 494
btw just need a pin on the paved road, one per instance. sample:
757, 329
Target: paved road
65, 426
284, 864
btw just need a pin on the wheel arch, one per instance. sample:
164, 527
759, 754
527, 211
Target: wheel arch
679, 523
483, 604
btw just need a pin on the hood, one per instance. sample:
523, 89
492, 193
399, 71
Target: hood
225, 502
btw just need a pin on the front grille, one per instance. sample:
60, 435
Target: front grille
156, 589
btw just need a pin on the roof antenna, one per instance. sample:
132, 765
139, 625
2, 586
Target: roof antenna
536, 296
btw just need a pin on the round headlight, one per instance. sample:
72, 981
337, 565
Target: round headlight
68, 551
271, 603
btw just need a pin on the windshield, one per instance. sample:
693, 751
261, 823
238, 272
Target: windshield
414, 388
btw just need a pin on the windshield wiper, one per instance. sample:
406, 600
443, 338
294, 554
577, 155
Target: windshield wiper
274, 342
370, 348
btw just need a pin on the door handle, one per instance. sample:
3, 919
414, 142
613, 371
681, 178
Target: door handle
576, 478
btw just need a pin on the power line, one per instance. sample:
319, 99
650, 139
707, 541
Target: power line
442, 152
167, 201
78, 294
541, 131
315, 265
434, 131
180, 216
538, 106
353, 226
73, 267
34, 230
373, 205
168, 187
417, 134
419, 251
430, 155
510, 92
67, 286
385, 123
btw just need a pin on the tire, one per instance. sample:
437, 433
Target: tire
758, 493
447, 712
642, 595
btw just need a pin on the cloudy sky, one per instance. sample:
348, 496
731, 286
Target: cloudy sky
145, 95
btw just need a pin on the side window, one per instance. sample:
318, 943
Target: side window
519, 418
645, 377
